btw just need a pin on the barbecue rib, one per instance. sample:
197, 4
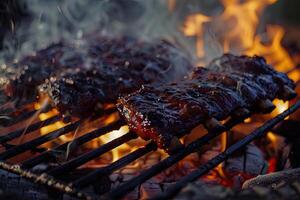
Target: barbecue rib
257, 67
21, 79
208, 95
117, 66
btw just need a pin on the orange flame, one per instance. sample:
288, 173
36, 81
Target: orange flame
193, 26
241, 20
116, 152
274, 52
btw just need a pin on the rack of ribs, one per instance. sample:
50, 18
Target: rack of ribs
225, 88
127, 62
21, 79
118, 67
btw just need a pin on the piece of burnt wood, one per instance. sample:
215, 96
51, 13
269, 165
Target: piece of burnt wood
15, 187
54, 187
201, 191
274, 179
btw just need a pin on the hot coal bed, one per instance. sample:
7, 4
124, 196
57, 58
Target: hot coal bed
120, 116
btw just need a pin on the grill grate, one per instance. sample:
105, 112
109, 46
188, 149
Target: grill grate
75, 187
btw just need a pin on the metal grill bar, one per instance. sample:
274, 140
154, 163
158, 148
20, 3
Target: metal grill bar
38, 141
23, 116
14, 134
259, 132
171, 160
82, 182
73, 164
78, 141
88, 179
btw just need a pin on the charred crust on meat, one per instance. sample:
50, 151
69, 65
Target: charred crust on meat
230, 86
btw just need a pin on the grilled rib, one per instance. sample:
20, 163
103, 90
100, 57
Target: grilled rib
120, 65
21, 79
256, 66
117, 67
208, 95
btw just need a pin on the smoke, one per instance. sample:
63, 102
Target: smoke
50, 21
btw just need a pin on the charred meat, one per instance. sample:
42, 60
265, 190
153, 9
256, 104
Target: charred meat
123, 65
264, 74
207, 96
116, 67
21, 79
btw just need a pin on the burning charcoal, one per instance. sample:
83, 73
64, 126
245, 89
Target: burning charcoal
207, 96
250, 163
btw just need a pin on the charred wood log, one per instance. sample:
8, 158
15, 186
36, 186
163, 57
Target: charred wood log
201, 191
275, 179
54, 187
14, 187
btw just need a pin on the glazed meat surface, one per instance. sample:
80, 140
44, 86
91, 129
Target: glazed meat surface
270, 80
116, 67
164, 112
21, 79
171, 110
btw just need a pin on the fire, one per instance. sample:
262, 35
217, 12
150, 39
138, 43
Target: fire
236, 30
280, 107
52, 127
241, 20
116, 152
194, 27
274, 52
